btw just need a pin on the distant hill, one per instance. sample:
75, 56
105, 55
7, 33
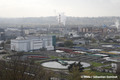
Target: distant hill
37, 21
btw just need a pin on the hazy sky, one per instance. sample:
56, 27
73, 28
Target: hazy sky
38, 8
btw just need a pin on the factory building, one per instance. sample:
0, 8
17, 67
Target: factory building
96, 30
32, 43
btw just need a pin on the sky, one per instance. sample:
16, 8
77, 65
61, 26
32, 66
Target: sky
74, 8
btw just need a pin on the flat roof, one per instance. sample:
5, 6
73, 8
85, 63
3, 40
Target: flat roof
101, 55
95, 49
117, 52
59, 51
116, 59
107, 45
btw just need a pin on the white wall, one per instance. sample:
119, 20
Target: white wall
32, 44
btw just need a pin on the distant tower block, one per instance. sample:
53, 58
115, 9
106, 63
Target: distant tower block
22, 31
59, 19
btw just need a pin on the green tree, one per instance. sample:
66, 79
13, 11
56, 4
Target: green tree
8, 42
93, 40
74, 74
78, 66
68, 43
16, 69
2, 45
117, 37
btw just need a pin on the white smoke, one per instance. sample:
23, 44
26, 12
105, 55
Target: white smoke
117, 24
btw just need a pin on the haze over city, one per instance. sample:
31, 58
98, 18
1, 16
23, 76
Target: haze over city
76, 8
59, 39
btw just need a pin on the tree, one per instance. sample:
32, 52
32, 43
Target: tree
43, 49
2, 45
93, 40
16, 69
117, 37
68, 43
78, 66
75, 74
118, 70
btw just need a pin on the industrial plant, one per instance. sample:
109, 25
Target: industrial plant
60, 40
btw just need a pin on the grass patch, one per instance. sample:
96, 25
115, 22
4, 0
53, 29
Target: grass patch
108, 67
39, 61
31, 52
54, 57
94, 64
96, 73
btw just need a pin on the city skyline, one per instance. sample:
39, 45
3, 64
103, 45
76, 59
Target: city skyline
43, 8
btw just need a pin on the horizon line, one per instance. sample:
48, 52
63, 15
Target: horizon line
66, 16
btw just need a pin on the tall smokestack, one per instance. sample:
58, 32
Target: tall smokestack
61, 19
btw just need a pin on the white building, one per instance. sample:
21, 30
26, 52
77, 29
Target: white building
94, 50
73, 34
89, 35
32, 43
29, 31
